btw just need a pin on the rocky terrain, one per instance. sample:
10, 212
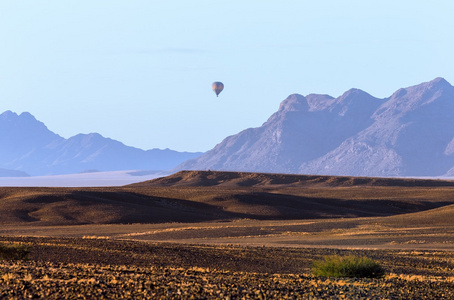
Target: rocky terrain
103, 269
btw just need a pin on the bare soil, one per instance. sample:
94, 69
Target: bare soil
102, 269
221, 235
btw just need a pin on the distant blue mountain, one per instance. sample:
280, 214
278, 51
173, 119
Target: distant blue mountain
411, 133
27, 145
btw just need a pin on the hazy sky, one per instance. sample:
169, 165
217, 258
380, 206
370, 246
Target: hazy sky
141, 71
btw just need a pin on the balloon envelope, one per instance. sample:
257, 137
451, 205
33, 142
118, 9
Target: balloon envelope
217, 87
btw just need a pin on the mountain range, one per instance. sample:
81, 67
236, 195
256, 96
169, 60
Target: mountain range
28, 147
410, 133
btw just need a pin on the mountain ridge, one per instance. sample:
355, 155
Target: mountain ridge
250, 179
29, 146
409, 133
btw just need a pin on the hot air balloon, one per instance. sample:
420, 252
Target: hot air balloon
217, 87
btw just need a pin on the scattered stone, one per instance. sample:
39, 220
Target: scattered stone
104, 269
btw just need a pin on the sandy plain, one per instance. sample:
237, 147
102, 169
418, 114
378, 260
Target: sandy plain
238, 228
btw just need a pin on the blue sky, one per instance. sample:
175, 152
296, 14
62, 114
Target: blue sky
141, 71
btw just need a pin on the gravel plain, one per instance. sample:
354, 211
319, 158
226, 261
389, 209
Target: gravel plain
75, 268
229, 235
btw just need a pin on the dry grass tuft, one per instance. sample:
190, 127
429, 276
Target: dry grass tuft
13, 252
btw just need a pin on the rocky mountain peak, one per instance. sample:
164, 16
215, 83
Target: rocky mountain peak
440, 82
319, 102
294, 102
11, 123
427, 89
354, 94
428, 98
355, 101
27, 116
7, 115
12, 116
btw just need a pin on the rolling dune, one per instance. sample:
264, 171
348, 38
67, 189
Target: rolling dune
240, 179
197, 196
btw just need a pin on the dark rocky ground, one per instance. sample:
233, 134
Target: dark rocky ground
106, 269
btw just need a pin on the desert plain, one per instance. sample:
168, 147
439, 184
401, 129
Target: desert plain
229, 235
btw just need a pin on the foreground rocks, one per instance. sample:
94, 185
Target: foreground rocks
87, 281
103, 269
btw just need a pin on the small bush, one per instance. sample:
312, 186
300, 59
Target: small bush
13, 252
347, 266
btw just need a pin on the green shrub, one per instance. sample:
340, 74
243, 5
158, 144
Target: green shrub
13, 252
347, 266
